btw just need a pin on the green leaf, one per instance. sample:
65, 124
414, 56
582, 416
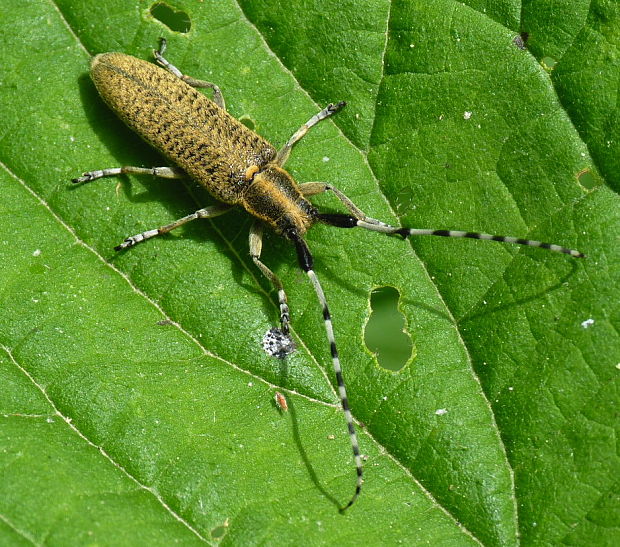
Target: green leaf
138, 403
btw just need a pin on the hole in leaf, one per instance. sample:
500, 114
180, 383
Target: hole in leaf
248, 122
548, 62
587, 179
175, 20
219, 532
521, 40
384, 334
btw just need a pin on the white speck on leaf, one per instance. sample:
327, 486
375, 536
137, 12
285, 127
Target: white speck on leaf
588, 322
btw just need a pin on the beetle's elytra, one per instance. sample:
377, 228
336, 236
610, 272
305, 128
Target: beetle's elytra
238, 167
232, 162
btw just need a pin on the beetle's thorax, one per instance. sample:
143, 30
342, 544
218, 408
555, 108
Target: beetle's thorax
274, 197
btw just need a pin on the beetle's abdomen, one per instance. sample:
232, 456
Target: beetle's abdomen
188, 128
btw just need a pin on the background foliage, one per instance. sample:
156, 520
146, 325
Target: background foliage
136, 402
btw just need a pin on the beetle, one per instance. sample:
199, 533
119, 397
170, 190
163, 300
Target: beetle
239, 168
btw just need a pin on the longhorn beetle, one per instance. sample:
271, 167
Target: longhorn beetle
237, 167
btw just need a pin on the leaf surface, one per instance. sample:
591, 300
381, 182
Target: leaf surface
138, 403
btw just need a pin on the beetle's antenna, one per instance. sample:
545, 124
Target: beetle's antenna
306, 262
348, 221
477, 235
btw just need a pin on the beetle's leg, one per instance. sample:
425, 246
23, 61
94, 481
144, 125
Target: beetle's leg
285, 151
360, 219
256, 247
313, 188
207, 212
163, 172
218, 98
